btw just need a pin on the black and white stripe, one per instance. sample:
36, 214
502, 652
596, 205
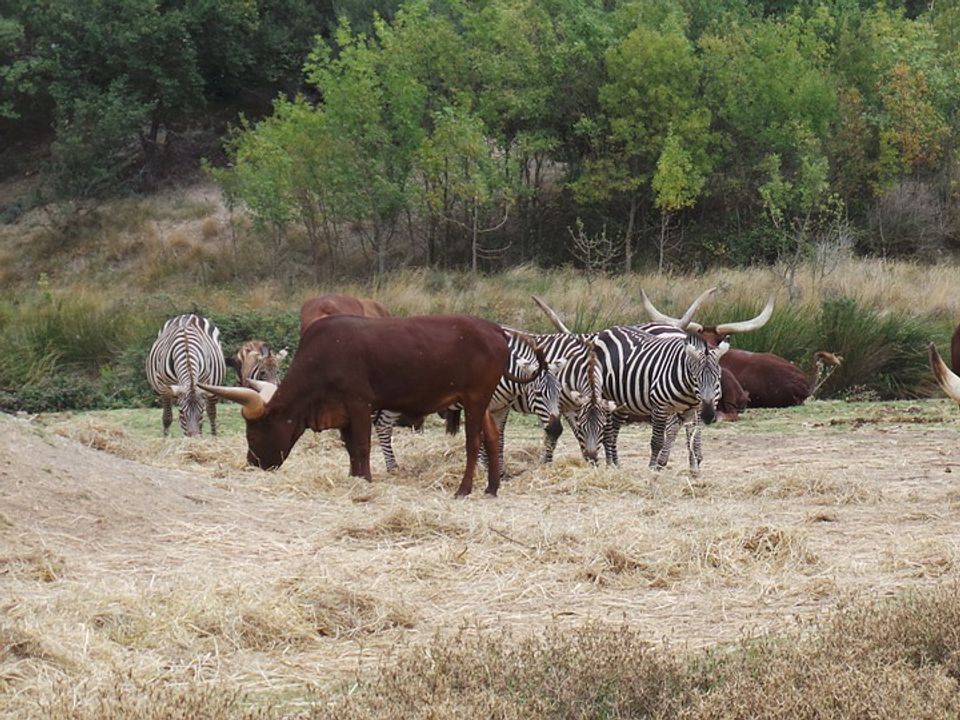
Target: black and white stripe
187, 351
657, 372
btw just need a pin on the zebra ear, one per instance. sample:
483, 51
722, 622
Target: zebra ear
577, 397
693, 352
557, 365
176, 389
611, 405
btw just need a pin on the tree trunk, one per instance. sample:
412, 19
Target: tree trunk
628, 235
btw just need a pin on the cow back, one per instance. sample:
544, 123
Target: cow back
414, 365
768, 379
323, 306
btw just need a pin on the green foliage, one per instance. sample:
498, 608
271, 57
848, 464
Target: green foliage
96, 144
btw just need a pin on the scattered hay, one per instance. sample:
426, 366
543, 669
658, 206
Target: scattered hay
404, 524
926, 558
100, 435
824, 489
41, 565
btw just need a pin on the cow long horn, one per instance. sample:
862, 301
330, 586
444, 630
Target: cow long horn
682, 322
558, 323
946, 379
758, 322
264, 388
253, 403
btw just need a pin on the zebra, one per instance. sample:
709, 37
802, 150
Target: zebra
515, 391
256, 360
671, 379
187, 351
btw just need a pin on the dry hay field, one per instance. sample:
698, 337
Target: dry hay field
170, 563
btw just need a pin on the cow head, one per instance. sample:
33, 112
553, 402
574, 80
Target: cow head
948, 381
702, 364
190, 402
733, 398
270, 432
713, 334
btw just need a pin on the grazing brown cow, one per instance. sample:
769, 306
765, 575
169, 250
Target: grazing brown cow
347, 367
768, 380
256, 360
325, 305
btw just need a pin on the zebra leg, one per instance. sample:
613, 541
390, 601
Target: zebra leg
669, 438
500, 420
167, 404
659, 447
212, 413
611, 434
550, 441
384, 420
694, 442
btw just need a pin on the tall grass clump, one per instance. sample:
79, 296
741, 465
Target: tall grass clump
883, 352
59, 351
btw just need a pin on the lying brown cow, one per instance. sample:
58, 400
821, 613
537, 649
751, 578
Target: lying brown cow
771, 381
326, 305
347, 367
767, 379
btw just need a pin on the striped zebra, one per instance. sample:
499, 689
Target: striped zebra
256, 360
514, 392
187, 351
670, 379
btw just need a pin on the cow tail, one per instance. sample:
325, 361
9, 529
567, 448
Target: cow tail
537, 351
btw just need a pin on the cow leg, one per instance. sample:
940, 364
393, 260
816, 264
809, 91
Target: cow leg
359, 446
212, 413
474, 425
167, 404
611, 435
346, 436
384, 423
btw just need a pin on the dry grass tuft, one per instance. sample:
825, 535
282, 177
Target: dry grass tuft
210, 228
404, 523
927, 558
42, 565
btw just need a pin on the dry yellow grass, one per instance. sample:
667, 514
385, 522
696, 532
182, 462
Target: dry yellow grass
173, 564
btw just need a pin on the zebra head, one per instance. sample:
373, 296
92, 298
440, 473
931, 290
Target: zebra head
190, 402
593, 410
702, 365
543, 395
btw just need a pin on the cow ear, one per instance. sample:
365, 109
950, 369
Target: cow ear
281, 355
721, 349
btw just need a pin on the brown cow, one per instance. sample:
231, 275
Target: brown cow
769, 380
948, 381
325, 305
256, 360
347, 367
955, 350
733, 398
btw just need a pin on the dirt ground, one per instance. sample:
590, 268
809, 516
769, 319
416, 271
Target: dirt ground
172, 560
